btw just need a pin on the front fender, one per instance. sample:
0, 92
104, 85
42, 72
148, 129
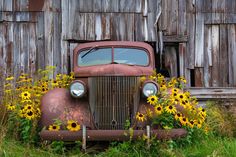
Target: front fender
59, 104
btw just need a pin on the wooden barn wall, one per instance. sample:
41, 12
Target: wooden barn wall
36, 33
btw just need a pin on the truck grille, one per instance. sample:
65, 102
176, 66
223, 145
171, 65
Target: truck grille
113, 100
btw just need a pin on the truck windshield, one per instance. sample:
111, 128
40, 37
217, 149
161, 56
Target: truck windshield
98, 56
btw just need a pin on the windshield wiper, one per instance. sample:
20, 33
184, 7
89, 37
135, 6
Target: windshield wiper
90, 50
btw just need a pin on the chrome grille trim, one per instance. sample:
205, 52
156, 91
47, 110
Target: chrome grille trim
113, 100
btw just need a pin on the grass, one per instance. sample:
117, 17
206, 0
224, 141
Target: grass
212, 146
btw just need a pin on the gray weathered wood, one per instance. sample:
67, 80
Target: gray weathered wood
232, 54
215, 55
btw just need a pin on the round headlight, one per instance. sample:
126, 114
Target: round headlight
77, 89
149, 89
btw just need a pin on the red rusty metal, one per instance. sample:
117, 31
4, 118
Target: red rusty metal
114, 69
59, 104
110, 135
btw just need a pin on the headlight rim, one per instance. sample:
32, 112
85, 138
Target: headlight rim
154, 83
85, 89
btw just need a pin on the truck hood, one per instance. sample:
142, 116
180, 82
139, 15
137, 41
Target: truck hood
112, 70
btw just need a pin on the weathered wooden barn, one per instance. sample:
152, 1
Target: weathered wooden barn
193, 38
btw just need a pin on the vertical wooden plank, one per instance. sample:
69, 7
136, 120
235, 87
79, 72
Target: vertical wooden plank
110, 6
218, 9
97, 6
73, 18
164, 15
182, 25
223, 61
129, 24
90, 26
79, 27
182, 51
191, 33
138, 6
127, 6
16, 50
139, 27
7, 5
232, 53
24, 47
207, 56
56, 43
207, 10
98, 26
32, 48
198, 77
171, 61
199, 36
151, 29
215, 55
172, 17
65, 4
106, 26
86, 6
40, 44
9, 48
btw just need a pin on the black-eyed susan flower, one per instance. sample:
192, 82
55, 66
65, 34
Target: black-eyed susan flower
11, 107
170, 109
183, 120
191, 123
54, 127
29, 114
73, 125
38, 112
149, 113
140, 117
9, 78
174, 90
152, 99
163, 87
25, 95
178, 116
28, 107
181, 97
182, 79
158, 109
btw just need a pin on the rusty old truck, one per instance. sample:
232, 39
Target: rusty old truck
105, 94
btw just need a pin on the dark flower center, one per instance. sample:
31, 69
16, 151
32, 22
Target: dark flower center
152, 99
178, 114
30, 113
54, 127
73, 125
203, 110
29, 107
181, 96
175, 94
141, 115
184, 119
25, 94
159, 108
192, 122
170, 107
183, 103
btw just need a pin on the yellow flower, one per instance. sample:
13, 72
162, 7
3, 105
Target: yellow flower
11, 107
55, 83
142, 79
73, 125
182, 79
202, 111
152, 99
28, 107
184, 120
149, 112
170, 109
181, 96
191, 123
25, 95
29, 114
174, 90
178, 116
38, 112
7, 85
198, 123
54, 127
140, 117
21, 113
158, 109
163, 87
9, 78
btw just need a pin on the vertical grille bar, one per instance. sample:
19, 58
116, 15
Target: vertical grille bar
113, 100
